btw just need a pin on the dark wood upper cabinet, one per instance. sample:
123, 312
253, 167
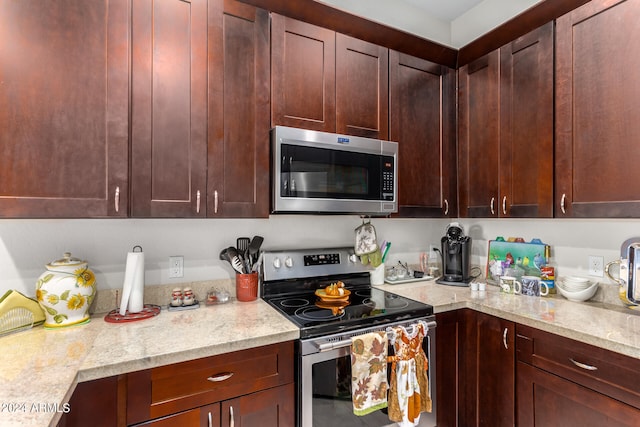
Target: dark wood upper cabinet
303, 65
362, 88
597, 111
422, 121
479, 136
64, 73
238, 117
169, 108
327, 81
526, 125
506, 130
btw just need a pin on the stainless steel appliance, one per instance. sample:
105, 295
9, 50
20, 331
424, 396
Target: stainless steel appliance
329, 173
289, 280
456, 257
629, 272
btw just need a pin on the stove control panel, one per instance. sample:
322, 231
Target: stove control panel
322, 259
299, 263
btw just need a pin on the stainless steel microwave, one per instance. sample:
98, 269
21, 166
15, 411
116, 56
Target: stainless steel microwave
319, 172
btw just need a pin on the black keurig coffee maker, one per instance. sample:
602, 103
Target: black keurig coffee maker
456, 257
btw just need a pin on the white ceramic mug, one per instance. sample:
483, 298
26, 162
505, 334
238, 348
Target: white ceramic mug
510, 285
534, 286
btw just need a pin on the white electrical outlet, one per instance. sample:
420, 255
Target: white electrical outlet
596, 266
176, 266
433, 254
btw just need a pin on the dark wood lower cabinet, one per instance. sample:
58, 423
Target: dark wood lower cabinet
246, 388
545, 400
271, 407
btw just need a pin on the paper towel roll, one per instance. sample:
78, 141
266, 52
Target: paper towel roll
133, 287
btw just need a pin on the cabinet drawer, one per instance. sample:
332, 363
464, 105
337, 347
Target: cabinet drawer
607, 372
178, 387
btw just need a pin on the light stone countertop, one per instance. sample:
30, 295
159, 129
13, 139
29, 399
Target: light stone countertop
39, 368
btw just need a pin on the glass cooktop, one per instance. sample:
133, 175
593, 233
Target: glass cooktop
365, 306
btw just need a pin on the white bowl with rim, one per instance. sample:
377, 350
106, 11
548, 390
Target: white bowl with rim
578, 295
576, 283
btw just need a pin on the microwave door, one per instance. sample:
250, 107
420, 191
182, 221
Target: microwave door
331, 174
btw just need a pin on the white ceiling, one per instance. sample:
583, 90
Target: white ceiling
453, 23
446, 10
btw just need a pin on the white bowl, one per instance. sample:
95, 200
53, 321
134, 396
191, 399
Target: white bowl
575, 283
578, 295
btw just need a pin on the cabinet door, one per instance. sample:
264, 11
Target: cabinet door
64, 117
545, 399
526, 125
450, 334
205, 416
99, 401
169, 108
489, 383
479, 137
422, 121
238, 162
362, 88
303, 75
273, 407
597, 126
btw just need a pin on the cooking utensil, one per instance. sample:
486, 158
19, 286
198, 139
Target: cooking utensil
236, 260
254, 248
242, 244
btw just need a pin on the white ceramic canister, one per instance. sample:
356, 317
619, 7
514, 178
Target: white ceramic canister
65, 291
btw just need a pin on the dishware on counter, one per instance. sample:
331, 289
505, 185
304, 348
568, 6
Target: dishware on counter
577, 295
65, 291
216, 296
534, 286
510, 285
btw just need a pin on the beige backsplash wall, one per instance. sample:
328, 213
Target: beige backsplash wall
27, 245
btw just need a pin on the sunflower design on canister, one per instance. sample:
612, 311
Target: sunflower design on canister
85, 277
76, 302
53, 299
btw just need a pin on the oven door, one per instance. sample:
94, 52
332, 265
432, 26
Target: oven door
325, 388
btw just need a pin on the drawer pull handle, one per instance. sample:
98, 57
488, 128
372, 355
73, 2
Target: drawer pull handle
562, 201
220, 377
232, 421
210, 420
446, 207
584, 366
504, 205
198, 201
493, 211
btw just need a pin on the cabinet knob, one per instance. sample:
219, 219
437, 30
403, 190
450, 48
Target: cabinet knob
504, 205
493, 211
117, 199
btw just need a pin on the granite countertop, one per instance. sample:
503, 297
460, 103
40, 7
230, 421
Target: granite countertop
40, 368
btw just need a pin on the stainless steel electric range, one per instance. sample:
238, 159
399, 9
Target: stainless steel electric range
289, 280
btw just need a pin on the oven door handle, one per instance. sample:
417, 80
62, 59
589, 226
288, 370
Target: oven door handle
334, 345
328, 346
